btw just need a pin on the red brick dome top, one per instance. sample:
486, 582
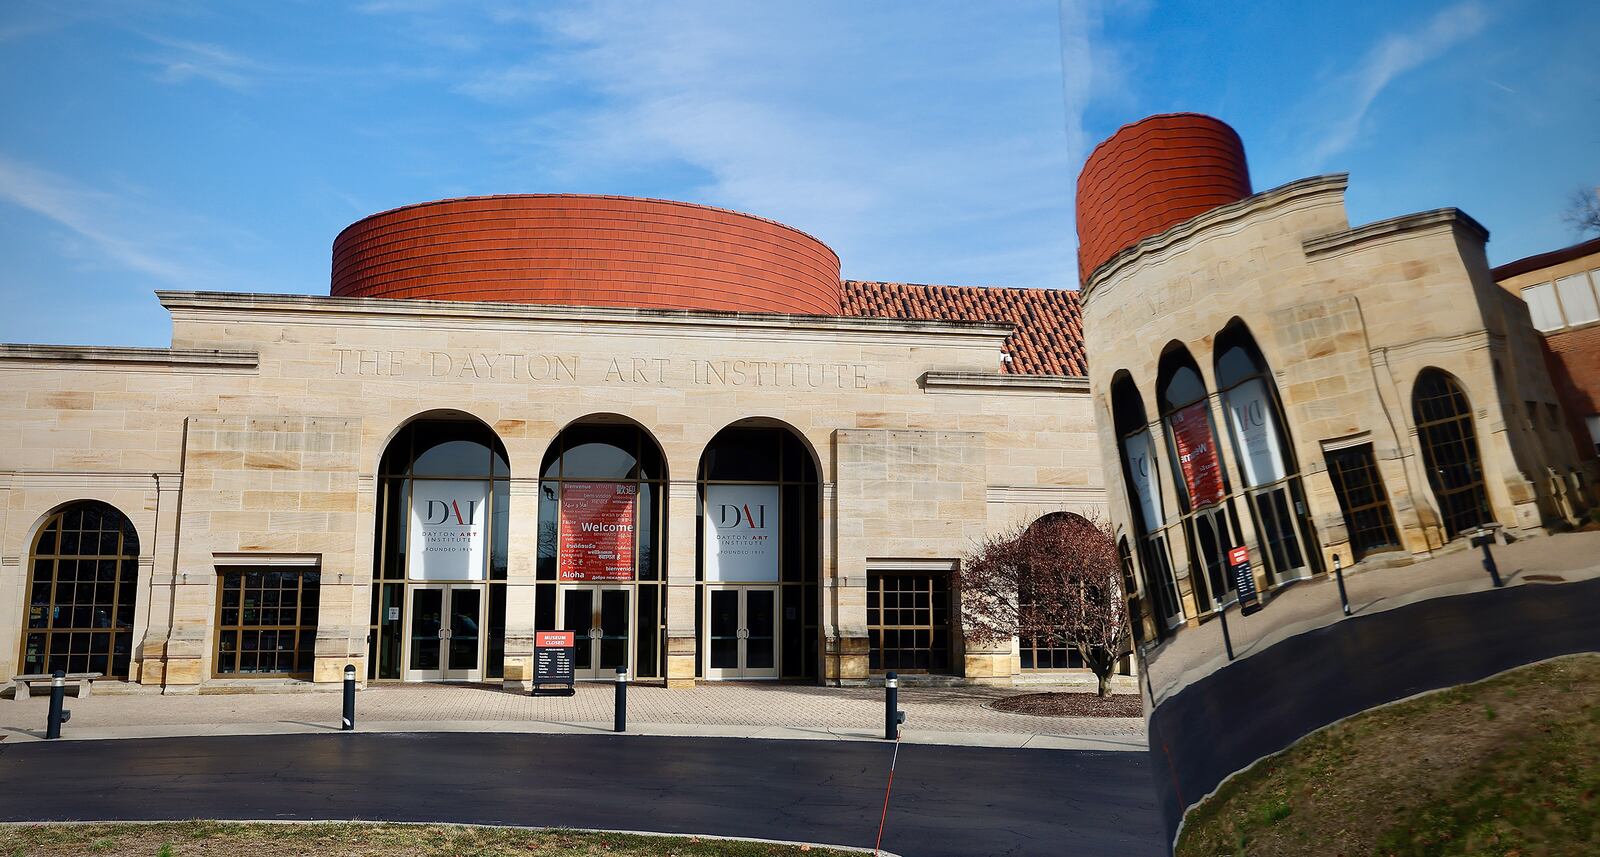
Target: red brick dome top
1153, 174
586, 250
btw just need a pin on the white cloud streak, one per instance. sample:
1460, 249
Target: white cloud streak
921, 146
83, 212
1393, 56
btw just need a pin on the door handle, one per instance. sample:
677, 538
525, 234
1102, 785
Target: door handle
744, 633
596, 633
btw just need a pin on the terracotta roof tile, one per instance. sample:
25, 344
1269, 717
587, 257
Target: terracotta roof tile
1048, 339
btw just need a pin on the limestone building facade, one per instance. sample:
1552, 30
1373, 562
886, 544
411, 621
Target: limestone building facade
1266, 375
620, 429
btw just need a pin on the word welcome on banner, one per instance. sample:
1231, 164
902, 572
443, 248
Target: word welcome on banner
597, 530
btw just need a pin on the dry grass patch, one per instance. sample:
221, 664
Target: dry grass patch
1508, 767
189, 838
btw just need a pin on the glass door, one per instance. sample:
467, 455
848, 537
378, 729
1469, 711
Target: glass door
440, 648
425, 636
601, 618
760, 632
464, 643
741, 632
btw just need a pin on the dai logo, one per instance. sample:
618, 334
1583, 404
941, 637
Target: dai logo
730, 516
441, 512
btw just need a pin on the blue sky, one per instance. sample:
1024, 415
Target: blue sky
222, 146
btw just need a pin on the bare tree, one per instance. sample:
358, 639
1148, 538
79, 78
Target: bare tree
1058, 582
1583, 210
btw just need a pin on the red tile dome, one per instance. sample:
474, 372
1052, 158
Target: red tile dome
586, 250
1151, 175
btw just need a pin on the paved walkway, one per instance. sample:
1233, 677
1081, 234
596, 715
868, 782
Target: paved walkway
742, 710
1197, 652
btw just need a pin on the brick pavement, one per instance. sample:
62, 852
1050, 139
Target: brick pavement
955, 715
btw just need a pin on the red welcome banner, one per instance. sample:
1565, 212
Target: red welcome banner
1197, 454
597, 530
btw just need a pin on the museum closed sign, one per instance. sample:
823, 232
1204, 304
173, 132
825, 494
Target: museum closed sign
741, 533
448, 529
597, 530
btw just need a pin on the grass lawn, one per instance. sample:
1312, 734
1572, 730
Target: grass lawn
187, 838
1508, 767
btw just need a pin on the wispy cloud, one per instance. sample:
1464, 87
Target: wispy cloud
1392, 56
895, 138
81, 210
113, 230
181, 61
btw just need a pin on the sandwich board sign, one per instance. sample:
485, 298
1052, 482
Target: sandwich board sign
552, 662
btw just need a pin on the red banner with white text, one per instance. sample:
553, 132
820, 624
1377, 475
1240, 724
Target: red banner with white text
597, 523
1197, 454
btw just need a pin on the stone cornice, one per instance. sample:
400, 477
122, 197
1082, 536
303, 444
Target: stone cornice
120, 480
313, 309
1334, 183
116, 357
999, 384
1392, 227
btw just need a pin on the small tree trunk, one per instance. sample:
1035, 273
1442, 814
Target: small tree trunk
1105, 683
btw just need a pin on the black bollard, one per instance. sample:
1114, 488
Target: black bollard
1227, 640
349, 698
1484, 541
892, 715
58, 696
1338, 573
621, 716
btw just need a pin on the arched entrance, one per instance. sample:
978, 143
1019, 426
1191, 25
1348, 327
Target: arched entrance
1449, 450
602, 513
1265, 455
759, 555
1202, 484
1141, 475
439, 562
82, 584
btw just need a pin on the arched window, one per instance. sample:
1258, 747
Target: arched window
1264, 453
759, 555
1450, 450
81, 590
1141, 475
1202, 483
439, 561
600, 566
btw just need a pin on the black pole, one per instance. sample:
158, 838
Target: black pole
1227, 640
1488, 560
58, 694
1338, 573
891, 706
349, 698
621, 714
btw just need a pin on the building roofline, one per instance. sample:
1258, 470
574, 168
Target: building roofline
1547, 259
616, 197
226, 302
111, 355
1320, 244
1178, 233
